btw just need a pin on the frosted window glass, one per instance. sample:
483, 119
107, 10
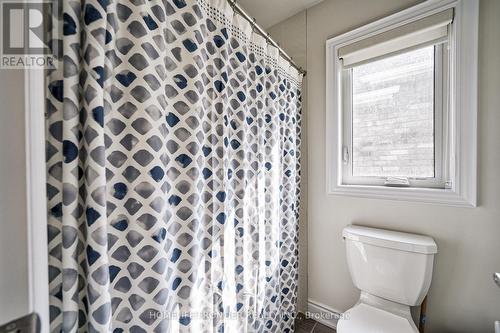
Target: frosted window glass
393, 116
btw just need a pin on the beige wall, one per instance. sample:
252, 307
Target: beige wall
296, 47
462, 297
13, 230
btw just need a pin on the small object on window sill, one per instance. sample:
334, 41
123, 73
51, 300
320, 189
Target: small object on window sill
397, 182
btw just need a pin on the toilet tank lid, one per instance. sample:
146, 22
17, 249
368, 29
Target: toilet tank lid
391, 239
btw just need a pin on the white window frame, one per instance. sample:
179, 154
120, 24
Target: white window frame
462, 109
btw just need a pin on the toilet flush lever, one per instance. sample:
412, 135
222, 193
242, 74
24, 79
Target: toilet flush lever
496, 278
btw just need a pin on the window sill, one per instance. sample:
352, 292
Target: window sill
447, 197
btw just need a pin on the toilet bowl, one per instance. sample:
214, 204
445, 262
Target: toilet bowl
393, 271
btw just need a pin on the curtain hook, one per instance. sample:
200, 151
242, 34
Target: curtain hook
254, 24
270, 40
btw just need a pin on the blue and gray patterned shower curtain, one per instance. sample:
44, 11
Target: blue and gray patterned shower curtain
173, 135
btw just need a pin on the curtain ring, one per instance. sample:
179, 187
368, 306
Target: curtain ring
270, 40
254, 24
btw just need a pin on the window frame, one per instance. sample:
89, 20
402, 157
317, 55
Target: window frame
460, 135
440, 179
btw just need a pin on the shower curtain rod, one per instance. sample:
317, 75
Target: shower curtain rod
266, 35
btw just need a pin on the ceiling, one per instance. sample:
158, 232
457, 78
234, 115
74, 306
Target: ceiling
269, 12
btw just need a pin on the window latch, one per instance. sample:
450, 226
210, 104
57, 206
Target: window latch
397, 182
345, 154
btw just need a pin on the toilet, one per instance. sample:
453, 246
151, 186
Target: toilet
393, 270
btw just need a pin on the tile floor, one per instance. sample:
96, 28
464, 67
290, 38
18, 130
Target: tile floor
306, 325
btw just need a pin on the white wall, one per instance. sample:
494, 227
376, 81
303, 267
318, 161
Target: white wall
462, 297
14, 301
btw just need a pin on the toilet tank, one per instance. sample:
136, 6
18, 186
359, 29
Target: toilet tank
393, 265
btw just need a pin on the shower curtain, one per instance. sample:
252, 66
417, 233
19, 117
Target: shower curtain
173, 135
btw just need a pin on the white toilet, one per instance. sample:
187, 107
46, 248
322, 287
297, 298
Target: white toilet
393, 270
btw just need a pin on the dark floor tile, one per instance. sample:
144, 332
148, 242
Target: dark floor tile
301, 330
320, 328
303, 324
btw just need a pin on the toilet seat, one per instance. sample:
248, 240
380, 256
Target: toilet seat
364, 318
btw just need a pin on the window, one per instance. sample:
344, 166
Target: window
400, 119
393, 128
393, 116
